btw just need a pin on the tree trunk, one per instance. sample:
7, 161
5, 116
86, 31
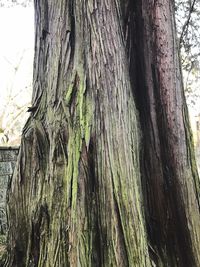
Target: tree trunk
106, 174
169, 173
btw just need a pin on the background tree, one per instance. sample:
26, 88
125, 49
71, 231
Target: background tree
11, 3
106, 174
14, 107
187, 21
16, 55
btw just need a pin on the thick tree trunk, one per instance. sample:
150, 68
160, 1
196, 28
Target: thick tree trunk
98, 183
169, 174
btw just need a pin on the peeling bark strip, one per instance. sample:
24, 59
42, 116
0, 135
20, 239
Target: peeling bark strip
83, 194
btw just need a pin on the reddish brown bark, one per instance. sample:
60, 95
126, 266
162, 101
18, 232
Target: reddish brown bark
170, 179
98, 182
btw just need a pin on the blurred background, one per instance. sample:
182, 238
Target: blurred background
16, 64
16, 67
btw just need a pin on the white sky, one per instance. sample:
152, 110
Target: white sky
16, 67
16, 46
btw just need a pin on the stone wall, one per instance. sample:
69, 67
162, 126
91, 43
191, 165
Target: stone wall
8, 157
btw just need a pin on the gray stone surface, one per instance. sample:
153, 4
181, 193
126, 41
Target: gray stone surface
8, 157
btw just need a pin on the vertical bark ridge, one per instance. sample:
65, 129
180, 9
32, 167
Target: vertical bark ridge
79, 194
117, 141
76, 197
170, 182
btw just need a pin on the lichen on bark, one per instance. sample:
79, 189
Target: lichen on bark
98, 181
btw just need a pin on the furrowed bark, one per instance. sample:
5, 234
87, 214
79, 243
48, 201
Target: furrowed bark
169, 173
77, 181
82, 193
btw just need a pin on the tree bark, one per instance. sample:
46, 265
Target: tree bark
169, 173
106, 174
